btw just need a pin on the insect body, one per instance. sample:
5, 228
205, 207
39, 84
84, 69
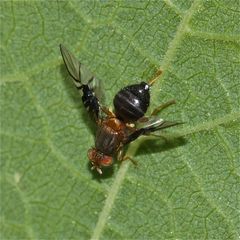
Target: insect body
124, 125
109, 138
131, 102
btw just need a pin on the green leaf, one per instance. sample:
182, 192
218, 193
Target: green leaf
185, 188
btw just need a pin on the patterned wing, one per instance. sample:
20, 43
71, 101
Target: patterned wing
84, 80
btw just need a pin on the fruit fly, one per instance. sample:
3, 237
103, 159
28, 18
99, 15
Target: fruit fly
115, 129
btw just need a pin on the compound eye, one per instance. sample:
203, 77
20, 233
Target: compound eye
106, 161
91, 154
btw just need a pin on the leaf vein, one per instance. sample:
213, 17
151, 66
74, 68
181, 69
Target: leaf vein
213, 36
49, 142
132, 149
200, 184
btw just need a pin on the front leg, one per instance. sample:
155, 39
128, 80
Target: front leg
122, 157
108, 112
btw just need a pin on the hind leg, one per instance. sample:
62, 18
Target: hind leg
162, 106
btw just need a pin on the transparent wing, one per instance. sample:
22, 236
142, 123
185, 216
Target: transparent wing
151, 124
80, 73
97, 86
87, 84
87, 77
72, 64
154, 123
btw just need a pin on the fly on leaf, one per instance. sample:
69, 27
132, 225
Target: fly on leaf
115, 129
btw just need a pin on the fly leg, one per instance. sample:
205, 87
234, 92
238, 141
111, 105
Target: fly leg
108, 112
121, 157
134, 162
162, 106
153, 80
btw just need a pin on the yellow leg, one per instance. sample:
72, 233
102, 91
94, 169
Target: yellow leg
121, 157
162, 106
135, 163
159, 136
107, 111
152, 81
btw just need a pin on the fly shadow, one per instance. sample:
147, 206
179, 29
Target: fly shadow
160, 144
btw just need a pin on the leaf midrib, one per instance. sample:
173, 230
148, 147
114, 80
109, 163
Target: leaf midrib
114, 189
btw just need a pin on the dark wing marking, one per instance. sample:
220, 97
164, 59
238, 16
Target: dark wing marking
83, 80
153, 124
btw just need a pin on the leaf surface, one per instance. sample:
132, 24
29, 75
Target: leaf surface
185, 188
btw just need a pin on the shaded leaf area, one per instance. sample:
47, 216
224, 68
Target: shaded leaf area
182, 188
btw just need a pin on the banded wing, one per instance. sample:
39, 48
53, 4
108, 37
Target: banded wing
152, 124
85, 81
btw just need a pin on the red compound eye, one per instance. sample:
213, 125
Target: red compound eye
106, 161
98, 159
91, 154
